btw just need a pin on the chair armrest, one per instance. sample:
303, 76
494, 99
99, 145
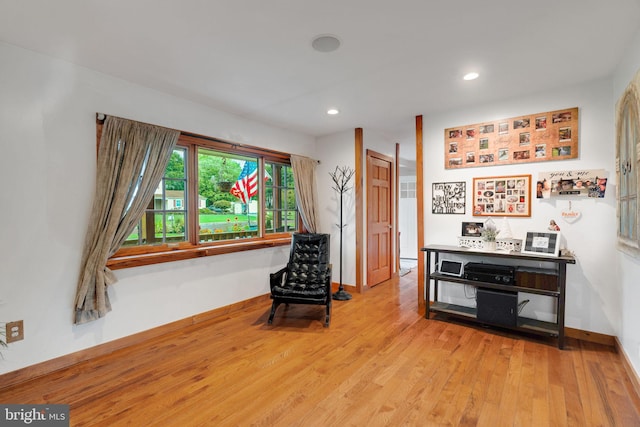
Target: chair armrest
277, 278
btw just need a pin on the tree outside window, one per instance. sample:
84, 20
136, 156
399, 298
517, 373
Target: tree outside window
228, 197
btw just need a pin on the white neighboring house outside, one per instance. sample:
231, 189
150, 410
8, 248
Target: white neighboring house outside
174, 200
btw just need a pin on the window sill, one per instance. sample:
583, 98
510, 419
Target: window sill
179, 254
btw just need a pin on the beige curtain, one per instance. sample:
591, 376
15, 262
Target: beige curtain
132, 158
304, 177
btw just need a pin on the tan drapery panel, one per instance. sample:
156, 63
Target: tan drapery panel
304, 177
132, 159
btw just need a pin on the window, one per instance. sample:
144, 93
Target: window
165, 219
628, 143
214, 198
229, 184
408, 190
280, 199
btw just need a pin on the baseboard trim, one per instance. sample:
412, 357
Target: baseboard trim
335, 286
628, 367
593, 337
19, 376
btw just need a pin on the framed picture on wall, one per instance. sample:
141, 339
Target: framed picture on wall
449, 197
539, 137
545, 243
502, 196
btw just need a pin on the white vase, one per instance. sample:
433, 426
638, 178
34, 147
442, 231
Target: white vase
489, 246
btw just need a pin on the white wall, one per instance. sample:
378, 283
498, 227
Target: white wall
407, 222
593, 286
338, 150
47, 169
629, 267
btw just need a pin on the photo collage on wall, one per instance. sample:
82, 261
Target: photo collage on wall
533, 138
502, 196
574, 183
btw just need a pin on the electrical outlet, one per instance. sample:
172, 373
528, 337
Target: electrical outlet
15, 331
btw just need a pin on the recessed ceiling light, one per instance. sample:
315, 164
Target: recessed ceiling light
332, 111
325, 43
471, 76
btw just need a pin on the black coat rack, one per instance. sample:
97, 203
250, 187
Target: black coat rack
341, 177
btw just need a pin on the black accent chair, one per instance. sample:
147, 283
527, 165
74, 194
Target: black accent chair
307, 277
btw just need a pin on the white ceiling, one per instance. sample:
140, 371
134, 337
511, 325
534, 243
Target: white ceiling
398, 59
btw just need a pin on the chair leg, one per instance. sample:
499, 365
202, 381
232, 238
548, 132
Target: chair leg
327, 316
274, 305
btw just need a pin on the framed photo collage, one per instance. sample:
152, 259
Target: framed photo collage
508, 196
533, 138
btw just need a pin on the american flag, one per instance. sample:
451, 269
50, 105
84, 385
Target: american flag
247, 184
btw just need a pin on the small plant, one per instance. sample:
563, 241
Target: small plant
235, 226
489, 232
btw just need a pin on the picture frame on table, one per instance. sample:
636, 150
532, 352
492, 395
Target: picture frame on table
546, 243
472, 229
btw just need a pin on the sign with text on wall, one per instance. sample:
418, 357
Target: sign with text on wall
449, 197
537, 137
572, 183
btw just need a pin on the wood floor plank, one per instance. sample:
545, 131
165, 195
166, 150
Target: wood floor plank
557, 406
562, 374
590, 385
617, 385
509, 398
541, 409
380, 363
479, 391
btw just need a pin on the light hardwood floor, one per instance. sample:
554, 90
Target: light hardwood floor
379, 363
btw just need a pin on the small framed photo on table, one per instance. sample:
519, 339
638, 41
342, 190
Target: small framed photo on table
544, 243
472, 229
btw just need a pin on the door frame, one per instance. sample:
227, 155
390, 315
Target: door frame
391, 253
361, 215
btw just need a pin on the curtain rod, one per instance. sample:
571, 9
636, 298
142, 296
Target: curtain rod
101, 117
